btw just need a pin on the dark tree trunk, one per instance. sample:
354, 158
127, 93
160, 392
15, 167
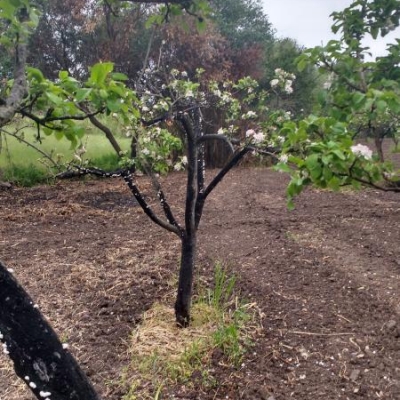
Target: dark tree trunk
39, 358
184, 296
379, 148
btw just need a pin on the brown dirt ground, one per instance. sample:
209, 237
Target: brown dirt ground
326, 278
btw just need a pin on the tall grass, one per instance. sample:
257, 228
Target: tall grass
25, 166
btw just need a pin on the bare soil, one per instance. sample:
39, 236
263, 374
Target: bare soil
326, 278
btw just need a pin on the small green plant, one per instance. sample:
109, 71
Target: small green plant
221, 294
165, 355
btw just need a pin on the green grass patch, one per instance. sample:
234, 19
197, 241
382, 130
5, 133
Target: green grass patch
163, 355
25, 175
25, 166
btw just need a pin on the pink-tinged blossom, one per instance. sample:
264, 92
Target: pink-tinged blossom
362, 150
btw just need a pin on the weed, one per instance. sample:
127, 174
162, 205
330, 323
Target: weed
165, 355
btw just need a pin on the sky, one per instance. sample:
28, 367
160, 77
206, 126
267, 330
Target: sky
309, 23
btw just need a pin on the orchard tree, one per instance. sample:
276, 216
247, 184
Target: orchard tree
358, 94
165, 118
361, 93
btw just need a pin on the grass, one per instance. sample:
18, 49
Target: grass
163, 355
25, 166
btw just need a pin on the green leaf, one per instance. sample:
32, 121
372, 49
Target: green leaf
54, 98
334, 183
103, 93
156, 19
100, 71
82, 94
59, 135
35, 74
339, 154
118, 76
63, 75
381, 105
113, 105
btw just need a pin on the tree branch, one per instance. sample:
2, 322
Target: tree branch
163, 201
222, 138
19, 88
108, 133
217, 179
127, 176
192, 174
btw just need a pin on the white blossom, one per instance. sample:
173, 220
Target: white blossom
184, 74
32, 385
226, 98
362, 150
288, 87
274, 82
220, 131
283, 158
258, 137
288, 90
184, 160
44, 394
146, 152
280, 139
189, 93
217, 92
250, 133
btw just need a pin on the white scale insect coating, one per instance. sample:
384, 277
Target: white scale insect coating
5, 350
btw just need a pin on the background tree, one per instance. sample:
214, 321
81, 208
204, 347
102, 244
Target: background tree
283, 54
360, 91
